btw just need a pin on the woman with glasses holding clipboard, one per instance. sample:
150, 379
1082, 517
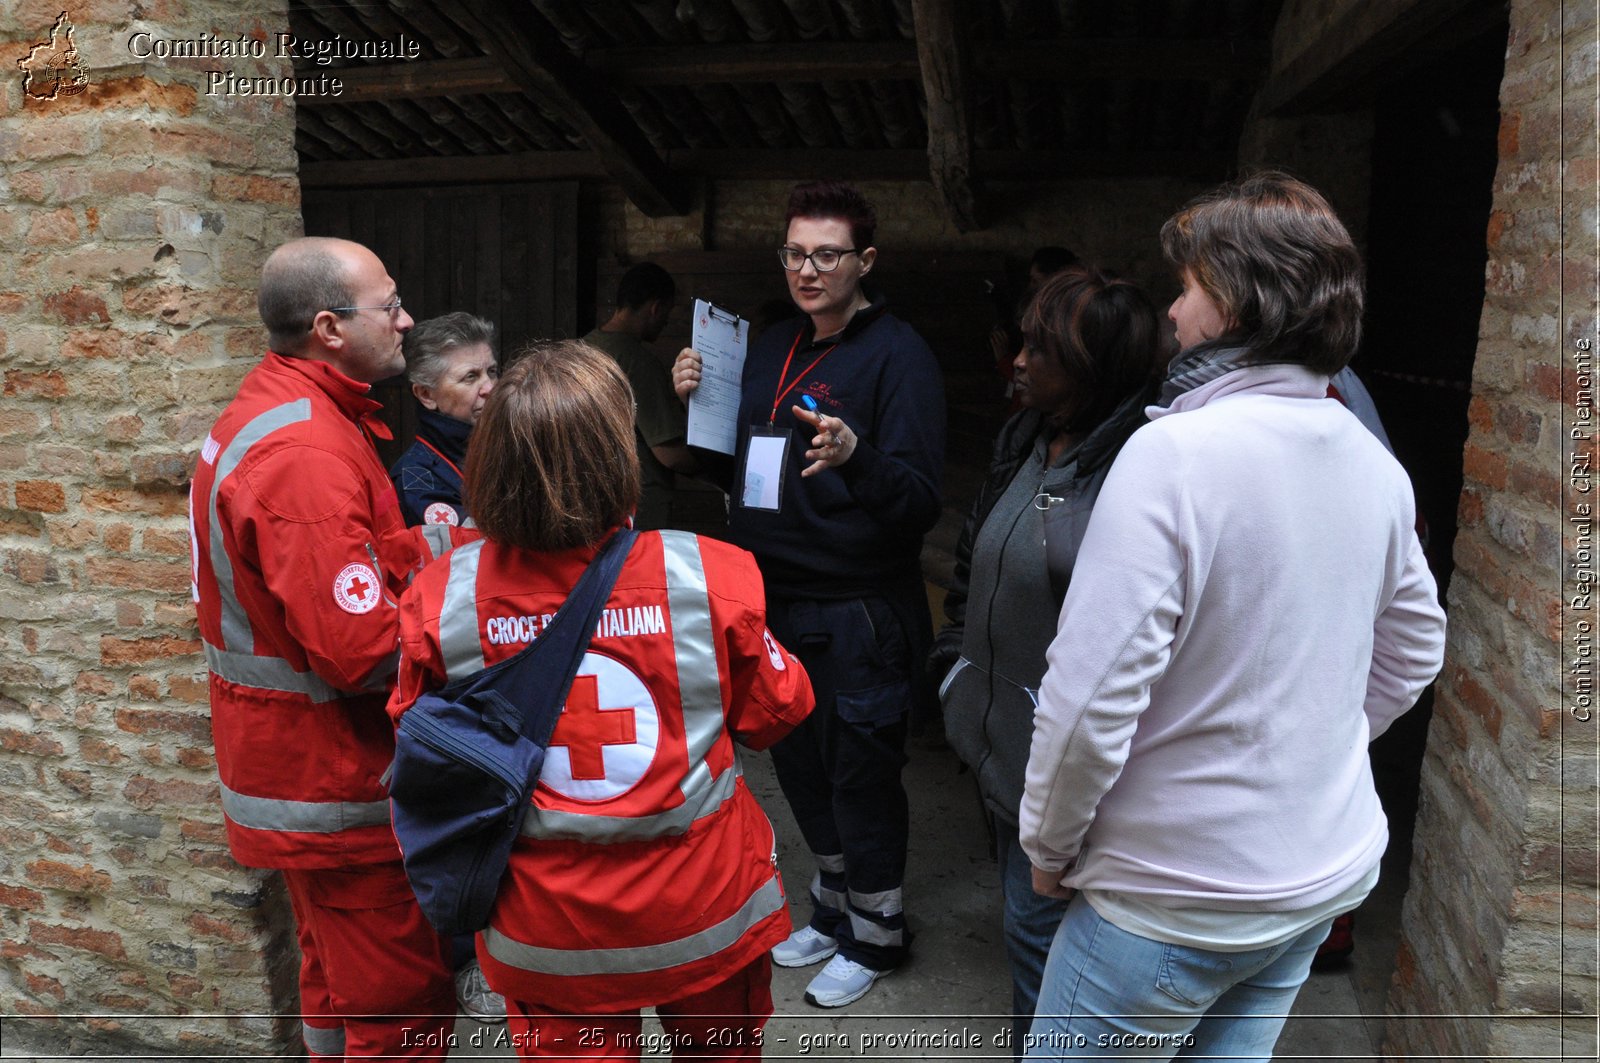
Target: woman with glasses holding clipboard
843, 409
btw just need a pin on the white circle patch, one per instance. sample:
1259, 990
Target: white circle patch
774, 651
606, 736
356, 588
441, 513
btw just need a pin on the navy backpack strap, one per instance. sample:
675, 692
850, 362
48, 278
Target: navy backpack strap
562, 643
525, 692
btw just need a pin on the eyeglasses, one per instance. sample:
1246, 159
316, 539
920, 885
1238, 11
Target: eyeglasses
391, 307
824, 259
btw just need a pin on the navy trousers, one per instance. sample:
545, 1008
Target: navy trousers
840, 769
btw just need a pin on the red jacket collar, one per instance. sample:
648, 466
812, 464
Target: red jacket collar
351, 396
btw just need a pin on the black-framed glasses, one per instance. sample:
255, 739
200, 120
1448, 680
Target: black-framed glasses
391, 307
824, 259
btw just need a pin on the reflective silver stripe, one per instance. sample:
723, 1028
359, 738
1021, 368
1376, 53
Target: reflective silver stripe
869, 933
644, 958
833, 863
268, 673
459, 640
306, 817
437, 536
321, 1042
699, 684
887, 902
548, 823
825, 897
236, 631
699, 690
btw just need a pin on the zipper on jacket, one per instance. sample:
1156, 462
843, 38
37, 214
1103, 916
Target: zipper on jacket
372, 555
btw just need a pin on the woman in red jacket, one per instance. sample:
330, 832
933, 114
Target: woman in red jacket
645, 871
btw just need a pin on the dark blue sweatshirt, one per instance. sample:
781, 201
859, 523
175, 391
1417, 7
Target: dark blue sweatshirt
857, 528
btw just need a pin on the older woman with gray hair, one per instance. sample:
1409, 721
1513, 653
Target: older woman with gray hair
451, 365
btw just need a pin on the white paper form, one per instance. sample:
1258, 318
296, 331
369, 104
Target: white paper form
722, 339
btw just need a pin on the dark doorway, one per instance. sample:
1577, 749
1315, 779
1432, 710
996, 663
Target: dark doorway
504, 252
1435, 149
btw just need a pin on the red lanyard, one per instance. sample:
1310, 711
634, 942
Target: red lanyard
442, 458
782, 390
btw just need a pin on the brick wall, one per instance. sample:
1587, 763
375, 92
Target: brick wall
1499, 920
135, 218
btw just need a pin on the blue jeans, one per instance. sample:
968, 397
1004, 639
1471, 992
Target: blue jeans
1109, 994
1030, 924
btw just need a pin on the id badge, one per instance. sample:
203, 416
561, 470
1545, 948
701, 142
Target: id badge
765, 460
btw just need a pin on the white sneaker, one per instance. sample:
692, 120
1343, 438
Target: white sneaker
803, 948
841, 982
476, 999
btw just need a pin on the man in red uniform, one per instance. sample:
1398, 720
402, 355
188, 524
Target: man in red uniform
300, 554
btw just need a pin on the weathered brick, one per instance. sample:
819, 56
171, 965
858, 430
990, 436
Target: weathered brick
145, 793
50, 384
76, 307
165, 469
194, 725
1485, 467
41, 985
41, 496
283, 192
35, 745
56, 227
127, 574
223, 929
203, 831
21, 898
95, 343
96, 751
81, 783
53, 874
115, 651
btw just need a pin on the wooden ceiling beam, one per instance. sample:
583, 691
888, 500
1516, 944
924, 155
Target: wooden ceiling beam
1077, 60
544, 71
946, 85
416, 80
758, 164
766, 63
1344, 64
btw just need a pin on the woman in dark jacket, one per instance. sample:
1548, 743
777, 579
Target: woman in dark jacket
1084, 375
451, 365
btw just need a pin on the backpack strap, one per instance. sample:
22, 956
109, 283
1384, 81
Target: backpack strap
526, 691
565, 639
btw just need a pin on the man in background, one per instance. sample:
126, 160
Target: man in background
644, 304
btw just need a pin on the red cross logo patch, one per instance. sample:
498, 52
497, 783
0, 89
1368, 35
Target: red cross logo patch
606, 737
356, 588
441, 513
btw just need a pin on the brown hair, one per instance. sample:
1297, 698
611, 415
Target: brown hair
1272, 254
1102, 331
552, 463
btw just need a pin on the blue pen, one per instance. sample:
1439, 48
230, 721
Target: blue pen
809, 403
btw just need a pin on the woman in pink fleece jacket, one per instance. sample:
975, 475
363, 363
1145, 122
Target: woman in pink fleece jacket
1250, 608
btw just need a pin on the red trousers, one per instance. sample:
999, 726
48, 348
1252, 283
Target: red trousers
374, 980
723, 1022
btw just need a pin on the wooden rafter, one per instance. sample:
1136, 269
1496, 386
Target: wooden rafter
942, 54
1079, 60
545, 72
758, 164
1369, 34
